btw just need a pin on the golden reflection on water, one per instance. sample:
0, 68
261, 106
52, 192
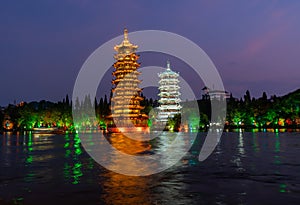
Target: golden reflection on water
123, 144
127, 145
121, 189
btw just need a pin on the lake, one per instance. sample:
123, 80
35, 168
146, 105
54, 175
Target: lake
245, 168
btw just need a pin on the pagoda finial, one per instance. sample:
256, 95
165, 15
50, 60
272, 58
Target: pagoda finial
168, 65
125, 34
125, 47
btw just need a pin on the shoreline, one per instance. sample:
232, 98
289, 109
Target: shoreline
225, 129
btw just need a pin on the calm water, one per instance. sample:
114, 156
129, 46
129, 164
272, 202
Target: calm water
245, 168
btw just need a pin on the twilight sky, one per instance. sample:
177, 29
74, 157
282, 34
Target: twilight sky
254, 44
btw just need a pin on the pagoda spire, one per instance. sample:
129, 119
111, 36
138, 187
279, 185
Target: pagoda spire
125, 34
125, 47
168, 65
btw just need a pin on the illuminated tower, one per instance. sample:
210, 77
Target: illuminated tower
169, 94
125, 102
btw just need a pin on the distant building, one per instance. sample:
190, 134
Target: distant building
169, 102
215, 94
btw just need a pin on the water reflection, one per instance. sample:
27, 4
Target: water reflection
241, 145
255, 145
29, 143
73, 165
237, 158
244, 166
121, 154
121, 189
277, 149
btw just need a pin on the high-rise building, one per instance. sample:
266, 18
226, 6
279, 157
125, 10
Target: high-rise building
169, 102
126, 98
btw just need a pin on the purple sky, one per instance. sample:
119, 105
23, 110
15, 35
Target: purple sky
254, 44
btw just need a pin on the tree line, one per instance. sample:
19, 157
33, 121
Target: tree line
246, 112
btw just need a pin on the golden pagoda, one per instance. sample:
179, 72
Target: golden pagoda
126, 98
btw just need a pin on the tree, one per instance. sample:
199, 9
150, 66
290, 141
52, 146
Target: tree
247, 97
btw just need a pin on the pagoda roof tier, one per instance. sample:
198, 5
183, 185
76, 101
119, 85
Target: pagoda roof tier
169, 86
163, 88
170, 107
169, 80
128, 106
169, 100
119, 64
126, 90
125, 48
168, 72
167, 116
169, 94
168, 76
166, 93
170, 110
132, 71
126, 85
126, 97
170, 91
135, 116
130, 57
118, 99
120, 89
126, 80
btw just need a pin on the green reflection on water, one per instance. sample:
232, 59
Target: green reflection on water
282, 188
29, 177
67, 173
277, 149
67, 153
29, 158
73, 170
255, 144
277, 143
78, 151
77, 173
29, 145
91, 163
67, 144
